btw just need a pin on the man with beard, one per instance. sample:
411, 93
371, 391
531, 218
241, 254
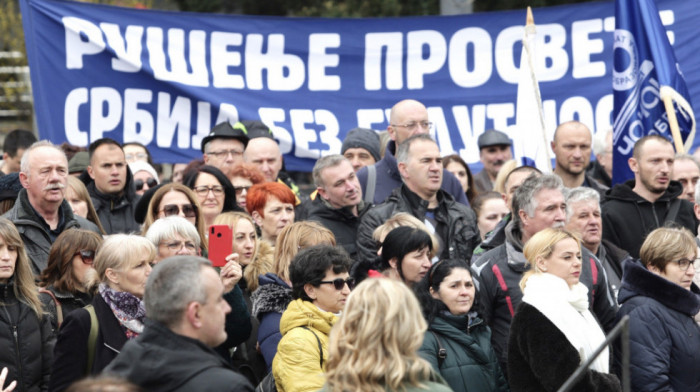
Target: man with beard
338, 205
633, 209
538, 203
40, 212
583, 218
572, 149
494, 151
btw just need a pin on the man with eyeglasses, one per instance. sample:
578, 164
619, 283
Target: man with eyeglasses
408, 117
224, 146
41, 212
111, 186
494, 151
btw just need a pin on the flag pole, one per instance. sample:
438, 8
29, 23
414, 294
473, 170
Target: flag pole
530, 28
673, 123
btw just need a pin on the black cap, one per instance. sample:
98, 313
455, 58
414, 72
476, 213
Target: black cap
493, 137
225, 130
256, 129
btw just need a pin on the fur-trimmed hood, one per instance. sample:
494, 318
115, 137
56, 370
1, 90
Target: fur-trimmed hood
273, 295
639, 281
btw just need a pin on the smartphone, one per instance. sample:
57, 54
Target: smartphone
220, 244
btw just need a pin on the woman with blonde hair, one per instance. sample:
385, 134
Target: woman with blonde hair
374, 344
25, 332
79, 199
175, 199
122, 265
553, 332
273, 295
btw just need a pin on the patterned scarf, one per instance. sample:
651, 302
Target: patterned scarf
127, 308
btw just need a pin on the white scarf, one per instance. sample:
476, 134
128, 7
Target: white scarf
567, 309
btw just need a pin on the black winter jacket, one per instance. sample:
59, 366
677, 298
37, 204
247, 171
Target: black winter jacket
664, 338
340, 221
160, 360
37, 241
68, 301
499, 302
116, 213
628, 217
462, 234
26, 343
70, 354
540, 358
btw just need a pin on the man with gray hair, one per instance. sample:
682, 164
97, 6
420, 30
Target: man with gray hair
686, 171
583, 217
338, 205
421, 195
601, 168
538, 203
186, 311
40, 212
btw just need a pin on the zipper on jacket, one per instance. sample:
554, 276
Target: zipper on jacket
20, 380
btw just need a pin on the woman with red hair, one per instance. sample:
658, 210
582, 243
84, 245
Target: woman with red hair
243, 176
271, 204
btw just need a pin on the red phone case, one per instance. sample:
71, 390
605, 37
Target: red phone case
220, 244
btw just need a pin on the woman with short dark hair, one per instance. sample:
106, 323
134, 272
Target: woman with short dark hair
320, 286
406, 253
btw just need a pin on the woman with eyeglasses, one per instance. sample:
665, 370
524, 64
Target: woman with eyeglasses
26, 340
553, 332
244, 176
274, 293
659, 296
320, 287
214, 192
405, 254
458, 341
121, 267
175, 199
145, 176
62, 283
80, 202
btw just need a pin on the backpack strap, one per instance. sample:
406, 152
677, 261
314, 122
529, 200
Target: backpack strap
320, 347
371, 184
502, 282
673, 211
59, 309
442, 353
92, 339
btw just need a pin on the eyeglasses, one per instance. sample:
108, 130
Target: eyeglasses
684, 264
412, 125
151, 182
188, 210
87, 256
240, 189
340, 283
225, 153
203, 190
177, 245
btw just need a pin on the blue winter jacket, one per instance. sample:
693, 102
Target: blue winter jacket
269, 302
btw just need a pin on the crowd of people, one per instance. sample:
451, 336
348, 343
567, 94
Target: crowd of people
400, 271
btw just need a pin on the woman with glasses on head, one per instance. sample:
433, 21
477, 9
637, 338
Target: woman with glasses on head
244, 176
63, 283
80, 202
175, 199
26, 340
458, 341
214, 192
661, 299
320, 286
122, 265
553, 332
373, 346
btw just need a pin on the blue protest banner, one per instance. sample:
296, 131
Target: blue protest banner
645, 70
166, 78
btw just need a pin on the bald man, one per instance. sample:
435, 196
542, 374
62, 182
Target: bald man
572, 149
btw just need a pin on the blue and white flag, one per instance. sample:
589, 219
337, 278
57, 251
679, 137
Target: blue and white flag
531, 145
645, 72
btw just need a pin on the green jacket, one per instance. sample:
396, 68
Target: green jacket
470, 365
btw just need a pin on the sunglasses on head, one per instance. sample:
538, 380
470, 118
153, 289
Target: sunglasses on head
151, 182
340, 283
87, 256
173, 209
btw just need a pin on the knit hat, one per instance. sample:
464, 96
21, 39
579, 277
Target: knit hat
79, 162
362, 138
143, 166
226, 130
